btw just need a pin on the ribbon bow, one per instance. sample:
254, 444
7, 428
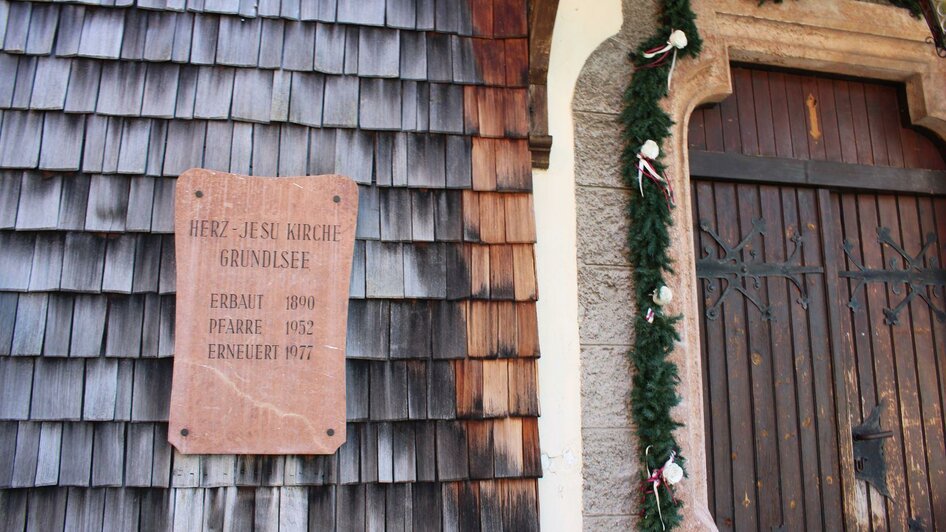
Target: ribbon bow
648, 152
657, 479
676, 41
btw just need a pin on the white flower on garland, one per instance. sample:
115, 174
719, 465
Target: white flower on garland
662, 295
676, 41
672, 472
645, 167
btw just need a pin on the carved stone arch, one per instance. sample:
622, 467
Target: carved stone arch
840, 37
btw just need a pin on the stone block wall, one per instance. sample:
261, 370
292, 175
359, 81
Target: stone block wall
604, 278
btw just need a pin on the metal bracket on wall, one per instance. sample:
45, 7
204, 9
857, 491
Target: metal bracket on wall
913, 274
736, 271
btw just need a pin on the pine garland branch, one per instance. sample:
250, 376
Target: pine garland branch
655, 379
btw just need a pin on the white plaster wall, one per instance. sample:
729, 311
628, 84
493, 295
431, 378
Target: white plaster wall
580, 26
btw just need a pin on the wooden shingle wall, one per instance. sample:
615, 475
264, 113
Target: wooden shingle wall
422, 102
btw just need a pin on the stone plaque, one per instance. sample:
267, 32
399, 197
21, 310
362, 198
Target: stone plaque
263, 267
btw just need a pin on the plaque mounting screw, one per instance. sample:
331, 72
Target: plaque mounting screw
330, 432
185, 432
336, 199
199, 193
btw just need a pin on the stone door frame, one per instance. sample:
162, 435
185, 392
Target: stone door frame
840, 37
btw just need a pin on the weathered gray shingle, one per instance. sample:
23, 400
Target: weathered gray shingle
75, 466
62, 141
292, 160
217, 153
271, 43
8, 63
265, 150
204, 39
58, 325
152, 388
30, 324
88, 326
380, 104
133, 153
329, 48
252, 95
70, 30
354, 152
133, 40
102, 33
413, 55
341, 101
299, 51
147, 263
119, 264
238, 43
17, 27
27, 445
107, 464
446, 108
183, 28
9, 198
47, 463
83, 86
140, 198
160, 91
16, 260
378, 52
122, 88
16, 385
123, 335
57, 389
108, 203
363, 12
159, 38
47, 262
83, 261
39, 202
401, 13
426, 158
20, 139
214, 87
74, 202
305, 105
185, 147
49, 86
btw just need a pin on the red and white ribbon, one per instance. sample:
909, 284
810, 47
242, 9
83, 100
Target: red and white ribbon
650, 315
645, 157
668, 474
676, 41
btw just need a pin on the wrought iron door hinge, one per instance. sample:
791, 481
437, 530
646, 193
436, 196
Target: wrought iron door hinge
914, 275
731, 267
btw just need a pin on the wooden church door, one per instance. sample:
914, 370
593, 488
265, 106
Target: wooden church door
820, 237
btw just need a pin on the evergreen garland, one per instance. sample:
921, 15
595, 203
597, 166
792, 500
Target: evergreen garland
655, 378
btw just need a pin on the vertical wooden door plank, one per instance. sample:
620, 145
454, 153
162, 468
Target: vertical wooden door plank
830, 476
782, 296
758, 344
841, 357
807, 407
740, 408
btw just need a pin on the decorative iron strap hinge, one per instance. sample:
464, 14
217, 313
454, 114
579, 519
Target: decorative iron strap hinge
917, 277
731, 267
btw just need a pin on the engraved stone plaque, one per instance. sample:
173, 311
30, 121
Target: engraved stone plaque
263, 267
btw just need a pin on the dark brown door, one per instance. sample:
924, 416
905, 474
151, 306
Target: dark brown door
820, 237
